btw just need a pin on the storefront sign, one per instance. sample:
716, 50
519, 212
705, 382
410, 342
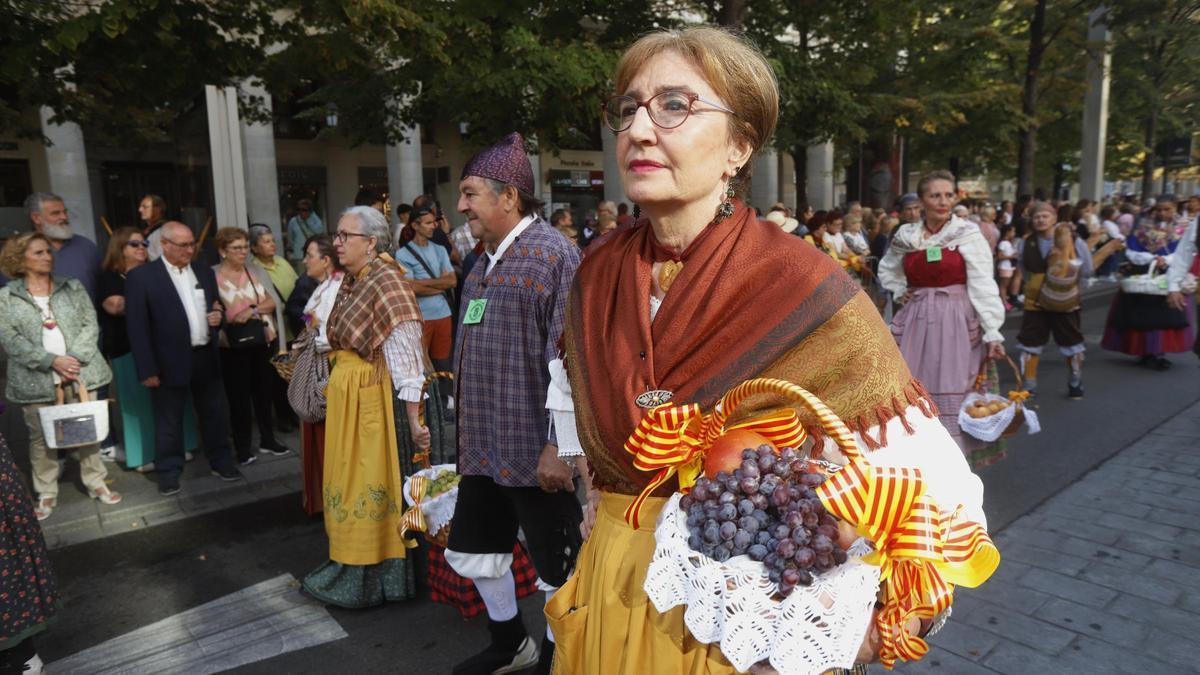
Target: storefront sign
302, 175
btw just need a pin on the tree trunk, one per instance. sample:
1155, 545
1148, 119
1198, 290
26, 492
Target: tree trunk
1027, 154
1150, 160
800, 160
732, 13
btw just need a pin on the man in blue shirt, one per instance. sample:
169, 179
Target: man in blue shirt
431, 276
74, 257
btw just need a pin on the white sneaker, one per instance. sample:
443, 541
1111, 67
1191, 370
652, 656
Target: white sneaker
526, 657
33, 666
109, 453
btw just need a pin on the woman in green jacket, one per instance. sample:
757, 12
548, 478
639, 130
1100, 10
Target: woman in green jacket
48, 328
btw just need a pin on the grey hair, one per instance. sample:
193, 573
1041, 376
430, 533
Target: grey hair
33, 203
527, 203
256, 232
988, 211
373, 225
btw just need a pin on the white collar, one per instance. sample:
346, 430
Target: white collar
508, 240
178, 270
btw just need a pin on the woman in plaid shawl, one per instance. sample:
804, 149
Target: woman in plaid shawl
375, 333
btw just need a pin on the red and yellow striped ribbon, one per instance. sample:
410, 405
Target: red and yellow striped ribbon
413, 519
921, 554
668, 440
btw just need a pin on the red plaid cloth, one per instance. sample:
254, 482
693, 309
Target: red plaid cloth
446, 586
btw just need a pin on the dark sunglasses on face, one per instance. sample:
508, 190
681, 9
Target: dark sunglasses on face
138, 244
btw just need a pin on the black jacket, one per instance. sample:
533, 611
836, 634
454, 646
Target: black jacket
159, 335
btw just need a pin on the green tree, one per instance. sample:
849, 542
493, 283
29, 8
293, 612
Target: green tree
128, 70
1156, 79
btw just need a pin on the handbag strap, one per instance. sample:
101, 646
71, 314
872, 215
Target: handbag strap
60, 391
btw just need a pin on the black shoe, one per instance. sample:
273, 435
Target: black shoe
546, 658
511, 650
169, 489
247, 460
274, 448
1160, 363
1147, 360
228, 475
1075, 391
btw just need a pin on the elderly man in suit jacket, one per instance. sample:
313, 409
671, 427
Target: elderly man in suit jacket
173, 314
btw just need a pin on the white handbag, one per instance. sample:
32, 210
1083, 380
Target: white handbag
1146, 284
73, 425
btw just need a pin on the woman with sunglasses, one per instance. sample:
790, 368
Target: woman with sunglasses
696, 299
127, 249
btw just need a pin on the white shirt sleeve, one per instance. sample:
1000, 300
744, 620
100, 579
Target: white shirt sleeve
1181, 259
982, 288
891, 272
402, 352
1140, 257
562, 411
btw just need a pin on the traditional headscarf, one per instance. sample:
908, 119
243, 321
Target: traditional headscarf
506, 162
369, 306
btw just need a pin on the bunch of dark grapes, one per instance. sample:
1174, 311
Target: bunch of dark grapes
766, 509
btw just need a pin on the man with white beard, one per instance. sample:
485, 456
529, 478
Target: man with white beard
74, 257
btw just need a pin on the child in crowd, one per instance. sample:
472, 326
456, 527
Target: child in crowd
1006, 253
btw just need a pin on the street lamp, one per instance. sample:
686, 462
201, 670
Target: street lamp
331, 115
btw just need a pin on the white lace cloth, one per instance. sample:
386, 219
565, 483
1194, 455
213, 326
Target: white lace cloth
990, 428
814, 629
437, 510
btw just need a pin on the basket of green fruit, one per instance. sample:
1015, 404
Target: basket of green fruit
431, 495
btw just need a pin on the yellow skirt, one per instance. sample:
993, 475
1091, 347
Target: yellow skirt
601, 618
362, 482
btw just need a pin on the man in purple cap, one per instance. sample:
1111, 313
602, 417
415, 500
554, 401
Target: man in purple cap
512, 313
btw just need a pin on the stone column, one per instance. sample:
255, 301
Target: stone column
764, 182
262, 176
229, 179
787, 180
614, 191
404, 167
820, 176
66, 162
1095, 111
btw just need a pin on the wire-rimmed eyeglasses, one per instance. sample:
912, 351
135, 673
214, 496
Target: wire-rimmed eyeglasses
667, 109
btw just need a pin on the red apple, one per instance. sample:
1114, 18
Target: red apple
726, 452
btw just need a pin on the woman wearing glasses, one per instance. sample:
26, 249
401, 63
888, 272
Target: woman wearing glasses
49, 329
127, 249
372, 426
245, 355
694, 302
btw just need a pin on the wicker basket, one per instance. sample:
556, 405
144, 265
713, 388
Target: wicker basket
284, 365
1018, 419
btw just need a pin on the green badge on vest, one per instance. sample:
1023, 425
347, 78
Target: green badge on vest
475, 311
933, 254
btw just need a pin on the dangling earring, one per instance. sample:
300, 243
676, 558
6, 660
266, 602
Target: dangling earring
726, 208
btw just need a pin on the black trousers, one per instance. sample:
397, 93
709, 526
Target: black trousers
248, 378
487, 515
209, 397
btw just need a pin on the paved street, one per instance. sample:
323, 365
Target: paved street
1097, 519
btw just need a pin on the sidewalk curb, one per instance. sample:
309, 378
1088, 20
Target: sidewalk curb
201, 495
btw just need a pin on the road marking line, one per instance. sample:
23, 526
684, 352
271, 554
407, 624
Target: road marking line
256, 623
